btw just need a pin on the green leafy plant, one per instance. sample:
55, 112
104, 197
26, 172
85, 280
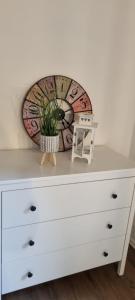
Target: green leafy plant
49, 120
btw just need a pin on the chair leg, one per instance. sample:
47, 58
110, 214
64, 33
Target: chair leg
54, 158
46, 157
43, 158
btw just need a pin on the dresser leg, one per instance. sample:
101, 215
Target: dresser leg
121, 268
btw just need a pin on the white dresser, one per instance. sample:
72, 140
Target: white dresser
62, 220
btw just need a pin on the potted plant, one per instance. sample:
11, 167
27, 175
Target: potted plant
49, 139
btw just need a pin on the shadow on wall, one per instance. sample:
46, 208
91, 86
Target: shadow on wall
132, 147
132, 156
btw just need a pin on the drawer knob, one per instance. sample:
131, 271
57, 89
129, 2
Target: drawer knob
31, 243
109, 226
105, 254
114, 196
33, 208
29, 274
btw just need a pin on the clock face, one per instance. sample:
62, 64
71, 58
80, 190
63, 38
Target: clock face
71, 98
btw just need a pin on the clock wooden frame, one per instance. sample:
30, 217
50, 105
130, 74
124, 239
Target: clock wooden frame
71, 98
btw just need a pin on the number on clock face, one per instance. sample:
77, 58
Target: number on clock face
71, 99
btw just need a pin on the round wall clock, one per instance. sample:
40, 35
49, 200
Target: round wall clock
71, 98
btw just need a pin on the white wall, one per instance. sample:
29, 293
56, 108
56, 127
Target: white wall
90, 40
122, 74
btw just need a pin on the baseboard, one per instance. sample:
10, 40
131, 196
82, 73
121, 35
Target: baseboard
132, 242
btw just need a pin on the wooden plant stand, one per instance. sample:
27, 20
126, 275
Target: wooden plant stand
48, 157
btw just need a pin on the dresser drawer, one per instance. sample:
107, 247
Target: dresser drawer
60, 263
28, 206
50, 236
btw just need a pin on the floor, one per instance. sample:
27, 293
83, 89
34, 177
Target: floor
98, 284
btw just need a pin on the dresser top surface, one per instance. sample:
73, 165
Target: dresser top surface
20, 165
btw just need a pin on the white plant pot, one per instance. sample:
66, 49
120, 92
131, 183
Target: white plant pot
49, 143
